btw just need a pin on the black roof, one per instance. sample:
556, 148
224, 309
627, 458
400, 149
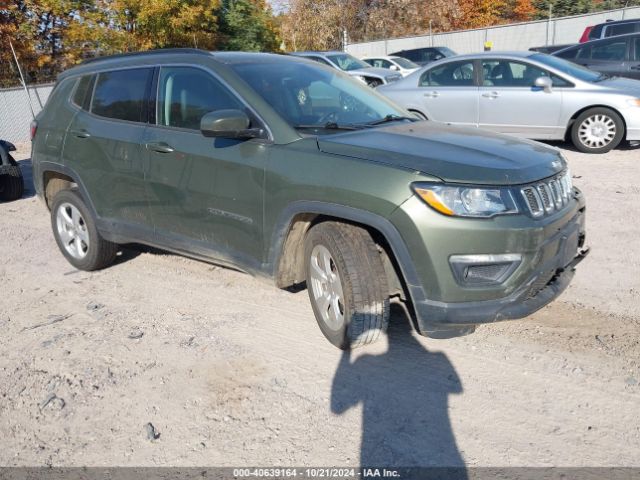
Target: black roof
130, 58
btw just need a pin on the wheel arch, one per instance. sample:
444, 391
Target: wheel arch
56, 177
419, 112
287, 246
567, 133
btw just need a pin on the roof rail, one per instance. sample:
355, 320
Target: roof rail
196, 51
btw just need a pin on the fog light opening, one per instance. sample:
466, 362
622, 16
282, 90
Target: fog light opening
483, 270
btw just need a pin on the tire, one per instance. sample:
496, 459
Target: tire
11, 183
597, 130
81, 245
374, 82
357, 285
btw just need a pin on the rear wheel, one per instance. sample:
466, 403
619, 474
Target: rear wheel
11, 182
76, 234
347, 284
597, 130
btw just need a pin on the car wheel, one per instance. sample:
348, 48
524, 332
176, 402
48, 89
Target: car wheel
11, 183
374, 82
347, 284
76, 234
597, 130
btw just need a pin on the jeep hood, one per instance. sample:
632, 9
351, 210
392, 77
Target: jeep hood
453, 154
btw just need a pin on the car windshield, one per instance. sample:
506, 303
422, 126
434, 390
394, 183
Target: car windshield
346, 62
572, 69
312, 96
404, 63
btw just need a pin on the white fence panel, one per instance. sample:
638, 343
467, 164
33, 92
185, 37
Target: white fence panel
520, 36
15, 115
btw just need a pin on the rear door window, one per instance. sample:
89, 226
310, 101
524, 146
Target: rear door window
454, 74
614, 51
622, 29
186, 94
122, 94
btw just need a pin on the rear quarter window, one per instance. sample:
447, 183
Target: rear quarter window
122, 94
82, 94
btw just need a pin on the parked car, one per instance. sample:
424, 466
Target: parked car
353, 66
425, 55
297, 172
551, 48
11, 181
610, 28
525, 94
614, 56
399, 64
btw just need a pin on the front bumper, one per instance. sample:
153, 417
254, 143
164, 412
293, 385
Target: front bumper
551, 249
443, 320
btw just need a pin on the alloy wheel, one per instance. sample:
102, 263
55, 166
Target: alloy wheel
327, 287
72, 231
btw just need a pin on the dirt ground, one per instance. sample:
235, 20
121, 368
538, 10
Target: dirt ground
231, 371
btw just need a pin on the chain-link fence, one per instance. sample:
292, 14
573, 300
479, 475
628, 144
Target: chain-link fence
15, 114
521, 36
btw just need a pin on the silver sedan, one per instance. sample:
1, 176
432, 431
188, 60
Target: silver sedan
527, 94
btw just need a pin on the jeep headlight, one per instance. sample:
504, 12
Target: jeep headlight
467, 201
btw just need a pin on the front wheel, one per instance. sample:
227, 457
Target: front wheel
76, 234
347, 284
597, 130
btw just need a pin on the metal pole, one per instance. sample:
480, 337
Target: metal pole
548, 22
24, 84
431, 31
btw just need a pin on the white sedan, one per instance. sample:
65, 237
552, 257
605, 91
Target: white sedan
401, 65
526, 94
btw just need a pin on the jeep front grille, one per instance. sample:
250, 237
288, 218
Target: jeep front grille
549, 196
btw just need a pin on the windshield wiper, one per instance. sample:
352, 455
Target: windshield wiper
391, 118
327, 126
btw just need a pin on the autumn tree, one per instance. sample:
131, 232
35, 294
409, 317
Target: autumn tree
247, 25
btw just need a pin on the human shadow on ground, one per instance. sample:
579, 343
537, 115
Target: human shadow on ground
404, 394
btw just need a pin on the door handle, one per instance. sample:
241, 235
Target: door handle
491, 94
432, 94
82, 133
159, 147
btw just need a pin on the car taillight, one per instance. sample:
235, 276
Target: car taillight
585, 34
34, 129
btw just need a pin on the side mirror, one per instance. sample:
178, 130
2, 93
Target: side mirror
394, 68
228, 124
544, 83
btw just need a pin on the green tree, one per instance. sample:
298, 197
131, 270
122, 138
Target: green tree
247, 25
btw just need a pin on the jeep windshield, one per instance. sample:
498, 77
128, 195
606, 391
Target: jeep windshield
313, 97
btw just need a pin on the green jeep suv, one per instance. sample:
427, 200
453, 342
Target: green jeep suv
293, 171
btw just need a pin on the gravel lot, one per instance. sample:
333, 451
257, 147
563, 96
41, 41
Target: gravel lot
231, 371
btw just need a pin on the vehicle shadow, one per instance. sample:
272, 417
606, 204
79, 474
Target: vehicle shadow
404, 394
